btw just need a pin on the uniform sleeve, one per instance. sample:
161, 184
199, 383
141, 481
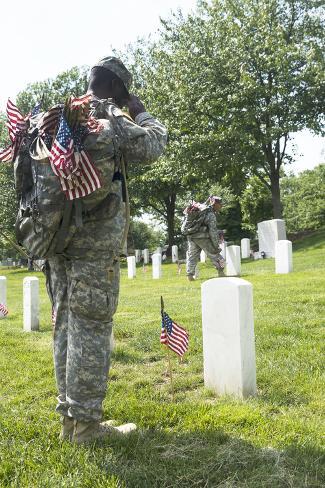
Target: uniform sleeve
211, 222
144, 140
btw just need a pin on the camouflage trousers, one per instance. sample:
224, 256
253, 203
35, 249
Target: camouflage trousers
194, 248
84, 295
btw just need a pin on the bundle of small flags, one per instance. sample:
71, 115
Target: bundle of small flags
3, 311
77, 174
71, 163
173, 335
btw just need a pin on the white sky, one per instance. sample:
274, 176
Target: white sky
40, 39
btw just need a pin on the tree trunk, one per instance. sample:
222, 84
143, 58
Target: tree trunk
170, 207
276, 199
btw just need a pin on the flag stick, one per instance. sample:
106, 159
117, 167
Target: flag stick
168, 353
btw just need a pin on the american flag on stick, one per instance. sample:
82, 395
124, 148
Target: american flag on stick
70, 162
3, 311
173, 335
17, 126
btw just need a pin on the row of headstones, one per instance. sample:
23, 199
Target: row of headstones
9, 262
30, 301
232, 255
228, 331
144, 255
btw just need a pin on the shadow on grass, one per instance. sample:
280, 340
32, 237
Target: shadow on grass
206, 459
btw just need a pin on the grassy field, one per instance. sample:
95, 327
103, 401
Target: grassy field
197, 440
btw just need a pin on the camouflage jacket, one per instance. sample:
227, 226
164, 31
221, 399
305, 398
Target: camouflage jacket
40, 215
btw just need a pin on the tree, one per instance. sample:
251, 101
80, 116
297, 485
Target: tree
144, 236
250, 74
52, 91
255, 204
303, 200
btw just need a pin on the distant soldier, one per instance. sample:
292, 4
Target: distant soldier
200, 227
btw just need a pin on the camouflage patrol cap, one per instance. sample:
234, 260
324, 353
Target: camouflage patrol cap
116, 66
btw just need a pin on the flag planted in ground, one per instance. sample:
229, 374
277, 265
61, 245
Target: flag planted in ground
3, 311
173, 335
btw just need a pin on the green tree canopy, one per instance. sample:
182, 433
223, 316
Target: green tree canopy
303, 200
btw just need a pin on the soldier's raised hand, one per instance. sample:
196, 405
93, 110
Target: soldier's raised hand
135, 106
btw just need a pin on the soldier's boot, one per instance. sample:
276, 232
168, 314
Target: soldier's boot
91, 431
221, 273
67, 428
190, 277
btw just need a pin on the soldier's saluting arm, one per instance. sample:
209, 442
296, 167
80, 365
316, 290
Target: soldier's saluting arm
143, 137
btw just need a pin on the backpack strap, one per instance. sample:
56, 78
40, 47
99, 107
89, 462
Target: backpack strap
64, 228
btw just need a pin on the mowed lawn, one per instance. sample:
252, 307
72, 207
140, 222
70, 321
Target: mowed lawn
197, 440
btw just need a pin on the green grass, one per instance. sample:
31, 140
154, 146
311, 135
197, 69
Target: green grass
197, 440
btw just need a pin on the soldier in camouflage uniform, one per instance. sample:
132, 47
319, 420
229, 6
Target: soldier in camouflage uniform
83, 280
206, 239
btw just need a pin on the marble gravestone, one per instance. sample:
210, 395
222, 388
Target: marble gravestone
131, 267
203, 256
283, 257
233, 261
245, 245
223, 247
270, 231
31, 303
137, 253
228, 337
3, 290
174, 254
156, 266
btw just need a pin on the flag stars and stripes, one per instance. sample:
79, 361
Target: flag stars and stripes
78, 175
173, 335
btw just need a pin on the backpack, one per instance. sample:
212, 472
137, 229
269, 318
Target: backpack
44, 212
193, 221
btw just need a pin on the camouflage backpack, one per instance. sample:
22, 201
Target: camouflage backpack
44, 213
193, 221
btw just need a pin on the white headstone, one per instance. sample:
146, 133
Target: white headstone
31, 303
131, 267
203, 256
245, 245
233, 261
270, 231
174, 254
3, 290
156, 266
256, 255
283, 257
223, 246
159, 250
145, 254
228, 336
137, 255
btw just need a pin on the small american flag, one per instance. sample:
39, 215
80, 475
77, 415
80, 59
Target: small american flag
17, 126
3, 311
70, 162
173, 335
5, 154
80, 101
